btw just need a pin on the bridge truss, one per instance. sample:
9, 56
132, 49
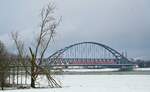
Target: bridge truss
88, 54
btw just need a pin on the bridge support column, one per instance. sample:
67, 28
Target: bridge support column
126, 68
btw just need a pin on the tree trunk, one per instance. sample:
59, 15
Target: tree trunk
32, 73
32, 77
32, 69
2, 80
32, 82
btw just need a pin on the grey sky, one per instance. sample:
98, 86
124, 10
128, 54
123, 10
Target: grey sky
121, 24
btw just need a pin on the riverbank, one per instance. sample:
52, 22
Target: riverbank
138, 71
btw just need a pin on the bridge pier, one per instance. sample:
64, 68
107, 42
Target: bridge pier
126, 68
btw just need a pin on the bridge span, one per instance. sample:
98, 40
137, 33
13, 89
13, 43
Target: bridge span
88, 55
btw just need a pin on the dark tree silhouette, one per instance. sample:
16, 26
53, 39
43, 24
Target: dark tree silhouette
4, 65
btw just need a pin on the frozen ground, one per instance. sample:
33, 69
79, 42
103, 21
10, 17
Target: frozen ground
107, 71
142, 69
103, 70
89, 70
98, 83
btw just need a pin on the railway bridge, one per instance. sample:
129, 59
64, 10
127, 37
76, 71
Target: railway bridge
88, 55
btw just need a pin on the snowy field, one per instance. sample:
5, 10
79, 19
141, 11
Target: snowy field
97, 83
103, 70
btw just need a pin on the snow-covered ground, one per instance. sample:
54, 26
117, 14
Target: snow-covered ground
103, 70
90, 70
142, 69
98, 83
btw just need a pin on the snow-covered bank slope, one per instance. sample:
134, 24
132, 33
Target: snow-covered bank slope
103, 70
99, 83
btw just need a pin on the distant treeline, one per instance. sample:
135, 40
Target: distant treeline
143, 63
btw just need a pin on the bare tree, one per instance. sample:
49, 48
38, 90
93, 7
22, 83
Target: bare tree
48, 27
4, 65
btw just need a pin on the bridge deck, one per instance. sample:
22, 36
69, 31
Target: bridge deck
97, 65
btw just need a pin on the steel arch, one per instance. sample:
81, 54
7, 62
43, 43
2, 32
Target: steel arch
119, 57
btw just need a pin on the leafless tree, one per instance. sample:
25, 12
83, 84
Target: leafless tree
4, 65
48, 27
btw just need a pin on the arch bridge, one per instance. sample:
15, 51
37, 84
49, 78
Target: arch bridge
88, 55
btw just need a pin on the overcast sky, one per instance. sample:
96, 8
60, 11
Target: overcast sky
121, 24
